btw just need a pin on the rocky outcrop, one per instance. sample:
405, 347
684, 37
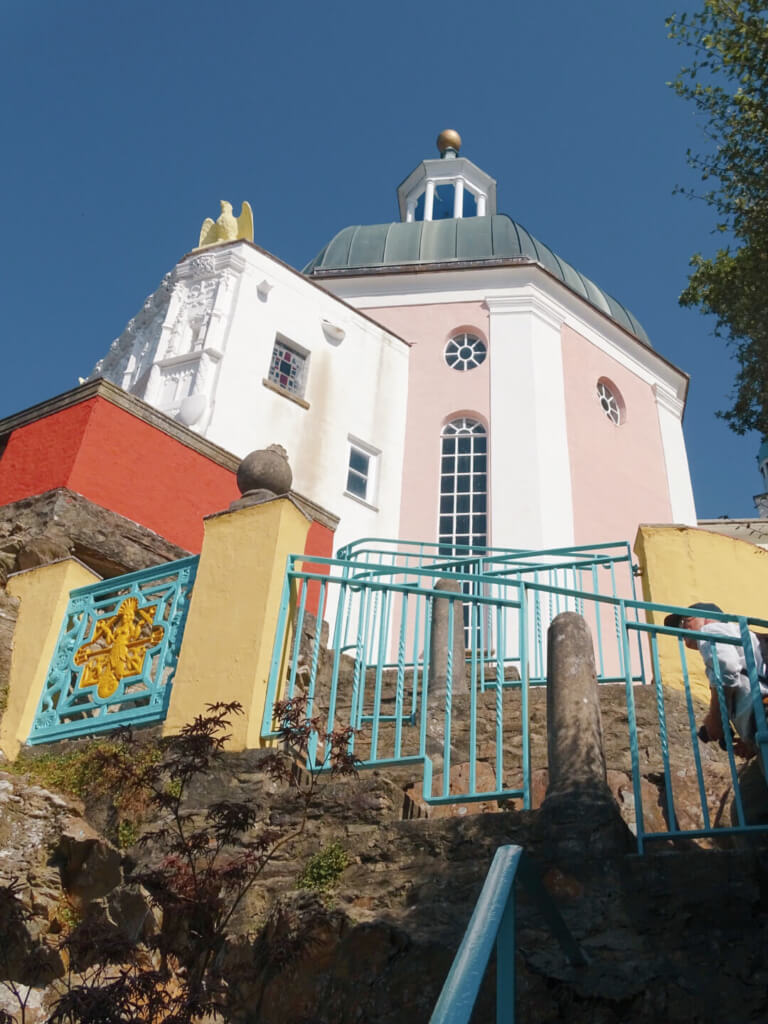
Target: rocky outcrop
9, 609
46, 527
378, 946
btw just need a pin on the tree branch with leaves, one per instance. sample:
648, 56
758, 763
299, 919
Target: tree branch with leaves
727, 82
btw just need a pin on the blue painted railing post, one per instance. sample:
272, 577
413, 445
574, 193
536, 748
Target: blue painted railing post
505, 965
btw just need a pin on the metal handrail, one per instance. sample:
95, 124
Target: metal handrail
493, 922
382, 622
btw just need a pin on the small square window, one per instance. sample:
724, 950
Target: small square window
362, 469
288, 367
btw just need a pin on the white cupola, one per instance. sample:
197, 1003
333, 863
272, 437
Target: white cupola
449, 186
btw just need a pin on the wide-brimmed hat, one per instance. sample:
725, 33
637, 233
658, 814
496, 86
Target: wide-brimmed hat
699, 606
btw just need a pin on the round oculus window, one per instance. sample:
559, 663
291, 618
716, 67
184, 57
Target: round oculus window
465, 352
610, 402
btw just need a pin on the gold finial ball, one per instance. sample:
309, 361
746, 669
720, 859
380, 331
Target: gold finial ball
449, 139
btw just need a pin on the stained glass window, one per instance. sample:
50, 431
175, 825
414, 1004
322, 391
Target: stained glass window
287, 368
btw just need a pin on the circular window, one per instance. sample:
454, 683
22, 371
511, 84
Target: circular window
465, 352
611, 401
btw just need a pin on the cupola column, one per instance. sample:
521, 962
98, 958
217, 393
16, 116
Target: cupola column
458, 198
429, 199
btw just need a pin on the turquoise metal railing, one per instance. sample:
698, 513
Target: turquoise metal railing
469, 731
493, 923
116, 653
380, 680
566, 574
683, 757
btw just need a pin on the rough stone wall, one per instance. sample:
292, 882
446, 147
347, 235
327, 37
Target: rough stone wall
615, 719
9, 607
41, 529
677, 938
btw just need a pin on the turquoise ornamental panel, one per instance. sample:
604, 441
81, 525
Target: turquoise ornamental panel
116, 654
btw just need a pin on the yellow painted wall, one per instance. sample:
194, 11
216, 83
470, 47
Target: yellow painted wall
43, 593
230, 629
682, 564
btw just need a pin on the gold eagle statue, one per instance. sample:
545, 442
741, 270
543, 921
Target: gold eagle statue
227, 228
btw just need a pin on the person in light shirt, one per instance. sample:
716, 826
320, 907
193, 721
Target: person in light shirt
733, 674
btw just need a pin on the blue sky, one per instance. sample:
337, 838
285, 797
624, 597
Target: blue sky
124, 123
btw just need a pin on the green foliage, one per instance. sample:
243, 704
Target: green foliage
173, 787
727, 82
324, 869
127, 833
74, 772
88, 770
68, 914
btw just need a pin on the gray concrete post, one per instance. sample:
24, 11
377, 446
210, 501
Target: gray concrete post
440, 642
579, 812
574, 729
437, 685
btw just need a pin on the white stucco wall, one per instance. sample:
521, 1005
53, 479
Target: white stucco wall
218, 327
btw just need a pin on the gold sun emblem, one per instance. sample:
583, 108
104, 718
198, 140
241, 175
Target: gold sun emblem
118, 647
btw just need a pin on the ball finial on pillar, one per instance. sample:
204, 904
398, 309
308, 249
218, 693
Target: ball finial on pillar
263, 474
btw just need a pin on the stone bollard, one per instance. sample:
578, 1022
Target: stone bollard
437, 687
438, 646
579, 809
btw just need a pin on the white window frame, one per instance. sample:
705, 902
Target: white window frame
354, 444
611, 401
470, 429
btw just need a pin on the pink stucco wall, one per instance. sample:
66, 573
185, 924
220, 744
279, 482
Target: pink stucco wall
618, 474
436, 394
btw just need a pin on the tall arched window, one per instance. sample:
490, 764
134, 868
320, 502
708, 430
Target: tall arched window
463, 483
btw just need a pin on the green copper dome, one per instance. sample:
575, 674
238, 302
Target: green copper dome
473, 240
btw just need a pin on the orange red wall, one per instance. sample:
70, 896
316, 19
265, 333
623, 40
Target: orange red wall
122, 463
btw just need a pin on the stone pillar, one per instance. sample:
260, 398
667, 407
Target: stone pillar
43, 594
574, 730
579, 810
440, 642
233, 612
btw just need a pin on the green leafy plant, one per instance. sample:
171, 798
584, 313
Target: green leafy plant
127, 833
323, 870
89, 770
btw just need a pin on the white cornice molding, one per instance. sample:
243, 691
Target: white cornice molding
668, 400
483, 284
207, 262
528, 301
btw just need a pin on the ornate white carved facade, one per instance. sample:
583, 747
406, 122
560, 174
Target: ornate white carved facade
201, 349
